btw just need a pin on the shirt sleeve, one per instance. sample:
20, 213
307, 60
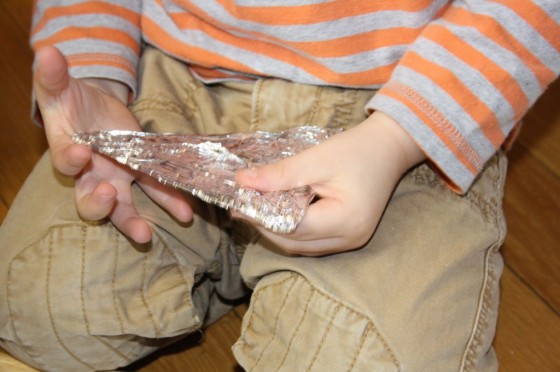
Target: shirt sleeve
463, 86
101, 39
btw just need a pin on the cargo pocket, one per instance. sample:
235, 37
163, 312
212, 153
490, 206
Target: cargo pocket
85, 298
293, 326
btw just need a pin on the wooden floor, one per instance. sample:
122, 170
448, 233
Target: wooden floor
528, 335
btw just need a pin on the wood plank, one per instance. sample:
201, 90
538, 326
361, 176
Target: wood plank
527, 337
541, 131
532, 207
213, 354
9, 364
23, 143
20, 11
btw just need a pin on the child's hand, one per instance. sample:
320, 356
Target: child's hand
103, 187
353, 173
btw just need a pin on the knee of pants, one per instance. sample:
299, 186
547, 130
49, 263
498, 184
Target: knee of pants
84, 298
292, 325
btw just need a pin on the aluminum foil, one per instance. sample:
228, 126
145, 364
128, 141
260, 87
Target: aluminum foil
206, 165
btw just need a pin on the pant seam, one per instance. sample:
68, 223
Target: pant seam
481, 319
113, 283
361, 346
481, 324
315, 106
343, 109
324, 336
12, 317
49, 307
276, 320
82, 278
296, 331
143, 296
256, 114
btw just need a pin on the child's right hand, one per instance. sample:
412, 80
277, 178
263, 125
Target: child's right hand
103, 187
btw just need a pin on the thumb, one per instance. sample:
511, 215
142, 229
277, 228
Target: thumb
286, 174
51, 75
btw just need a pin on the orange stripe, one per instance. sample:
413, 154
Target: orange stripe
340, 47
314, 13
543, 23
100, 33
92, 7
437, 123
448, 82
93, 59
203, 57
493, 30
504, 82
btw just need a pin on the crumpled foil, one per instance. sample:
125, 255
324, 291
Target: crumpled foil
206, 165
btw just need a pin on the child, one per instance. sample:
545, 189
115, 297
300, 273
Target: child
406, 266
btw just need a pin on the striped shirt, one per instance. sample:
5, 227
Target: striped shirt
457, 75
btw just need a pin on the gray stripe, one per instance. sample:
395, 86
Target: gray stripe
86, 45
263, 64
522, 31
502, 57
324, 30
259, 3
90, 20
42, 6
446, 105
274, 67
477, 83
104, 72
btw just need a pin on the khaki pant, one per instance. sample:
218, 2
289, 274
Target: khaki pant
421, 296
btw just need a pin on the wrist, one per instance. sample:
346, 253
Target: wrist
401, 147
113, 88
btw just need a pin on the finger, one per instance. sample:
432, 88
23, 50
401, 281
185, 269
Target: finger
51, 76
311, 248
69, 158
98, 203
286, 174
170, 199
134, 227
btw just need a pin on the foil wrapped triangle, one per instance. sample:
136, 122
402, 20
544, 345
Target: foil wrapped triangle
205, 165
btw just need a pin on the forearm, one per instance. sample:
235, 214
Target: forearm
468, 79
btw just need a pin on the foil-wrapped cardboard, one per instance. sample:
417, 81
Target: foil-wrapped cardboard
205, 165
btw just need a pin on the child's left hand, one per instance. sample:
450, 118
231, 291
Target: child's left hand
353, 173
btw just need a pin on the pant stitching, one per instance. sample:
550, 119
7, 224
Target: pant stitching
11, 313
481, 322
113, 282
343, 113
183, 278
489, 207
293, 277
143, 295
324, 336
82, 275
84, 229
488, 293
256, 116
49, 307
314, 106
153, 104
275, 322
363, 339
296, 331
